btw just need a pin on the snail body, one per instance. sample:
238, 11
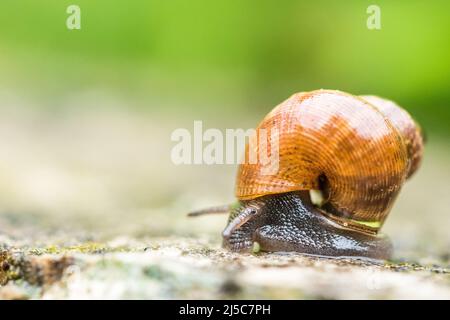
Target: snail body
356, 151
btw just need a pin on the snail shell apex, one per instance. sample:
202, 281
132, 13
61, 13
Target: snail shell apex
344, 145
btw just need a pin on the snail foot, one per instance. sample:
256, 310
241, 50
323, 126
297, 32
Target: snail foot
290, 223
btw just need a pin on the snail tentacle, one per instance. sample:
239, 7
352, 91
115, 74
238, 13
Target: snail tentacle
210, 210
242, 217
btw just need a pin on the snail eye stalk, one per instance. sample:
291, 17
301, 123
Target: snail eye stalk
243, 217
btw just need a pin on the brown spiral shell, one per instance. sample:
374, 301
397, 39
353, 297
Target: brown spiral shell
357, 150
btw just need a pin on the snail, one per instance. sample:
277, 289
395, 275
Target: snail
342, 162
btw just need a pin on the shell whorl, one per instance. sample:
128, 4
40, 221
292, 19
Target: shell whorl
339, 143
409, 129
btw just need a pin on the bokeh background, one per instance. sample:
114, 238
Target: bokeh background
86, 115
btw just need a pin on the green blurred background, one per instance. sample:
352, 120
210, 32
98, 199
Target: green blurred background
245, 54
86, 115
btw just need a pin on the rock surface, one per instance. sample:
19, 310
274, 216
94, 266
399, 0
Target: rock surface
184, 268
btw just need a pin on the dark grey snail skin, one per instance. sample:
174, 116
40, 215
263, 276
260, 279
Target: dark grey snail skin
290, 222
